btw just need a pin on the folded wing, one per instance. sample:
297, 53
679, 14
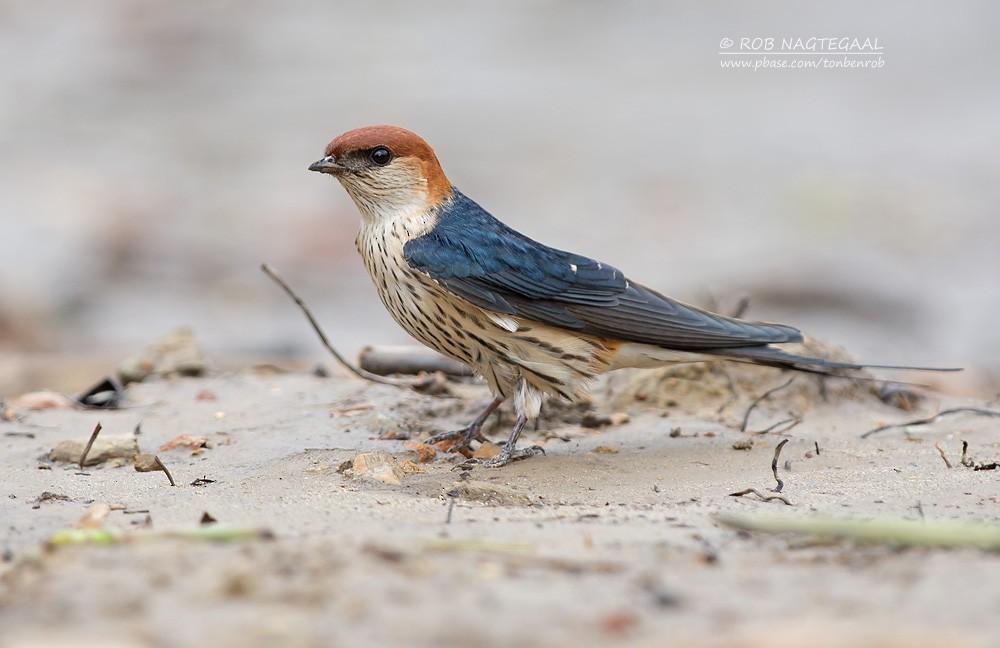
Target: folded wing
481, 260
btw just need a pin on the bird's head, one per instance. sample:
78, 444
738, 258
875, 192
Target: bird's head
387, 170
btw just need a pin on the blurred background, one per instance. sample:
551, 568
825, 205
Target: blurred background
154, 154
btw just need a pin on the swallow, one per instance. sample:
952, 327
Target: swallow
532, 320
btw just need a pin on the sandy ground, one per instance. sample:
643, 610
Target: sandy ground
609, 538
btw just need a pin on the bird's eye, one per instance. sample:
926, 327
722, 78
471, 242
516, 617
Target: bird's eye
380, 156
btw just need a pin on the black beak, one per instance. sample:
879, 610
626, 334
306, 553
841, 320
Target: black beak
326, 165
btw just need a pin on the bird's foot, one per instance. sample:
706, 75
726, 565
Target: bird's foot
505, 457
471, 432
465, 436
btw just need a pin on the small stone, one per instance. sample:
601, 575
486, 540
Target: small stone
378, 465
105, 448
146, 463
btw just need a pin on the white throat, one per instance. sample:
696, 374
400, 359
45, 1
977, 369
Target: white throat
386, 200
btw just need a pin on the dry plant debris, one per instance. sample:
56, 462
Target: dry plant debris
196, 444
978, 411
774, 471
152, 463
903, 533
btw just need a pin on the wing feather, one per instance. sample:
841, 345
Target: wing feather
479, 259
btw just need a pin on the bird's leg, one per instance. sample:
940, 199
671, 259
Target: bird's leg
508, 453
473, 431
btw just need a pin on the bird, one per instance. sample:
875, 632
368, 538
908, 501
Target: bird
530, 319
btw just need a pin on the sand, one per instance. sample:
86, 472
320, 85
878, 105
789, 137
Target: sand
610, 537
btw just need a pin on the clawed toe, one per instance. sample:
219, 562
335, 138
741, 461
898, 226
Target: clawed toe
468, 434
465, 436
505, 457
473, 432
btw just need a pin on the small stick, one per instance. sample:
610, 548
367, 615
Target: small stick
903, 533
409, 359
740, 309
774, 465
941, 452
816, 443
762, 496
965, 461
451, 506
774, 469
760, 399
360, 373
90, 444
160, 465
930, 419
774, 428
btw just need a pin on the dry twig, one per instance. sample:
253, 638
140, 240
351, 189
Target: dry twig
789, 423
760, 399
781, 484
90, 444
409, 359
941, 452
774, 465
902, 533
166, 472
740, 309
930, 419
360, 373
762, 496
968, 463
453, 496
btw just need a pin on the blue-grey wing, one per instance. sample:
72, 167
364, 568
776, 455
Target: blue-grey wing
481, 260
